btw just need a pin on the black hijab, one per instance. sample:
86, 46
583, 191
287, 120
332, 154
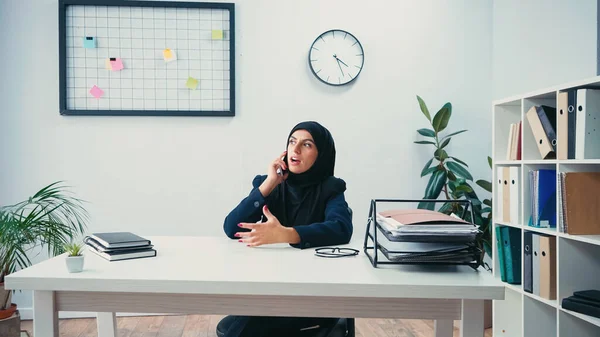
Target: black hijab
301, 198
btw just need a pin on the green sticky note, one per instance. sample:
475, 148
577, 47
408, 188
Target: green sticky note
217, 34
192, 83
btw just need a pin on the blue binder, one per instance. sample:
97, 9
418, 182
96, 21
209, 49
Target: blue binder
543, 194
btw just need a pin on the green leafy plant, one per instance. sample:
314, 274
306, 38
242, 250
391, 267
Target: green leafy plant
50, 218
74, 249
450, 175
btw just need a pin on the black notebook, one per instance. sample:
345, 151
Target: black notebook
119, 239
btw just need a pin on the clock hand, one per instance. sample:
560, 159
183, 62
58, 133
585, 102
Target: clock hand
338, 61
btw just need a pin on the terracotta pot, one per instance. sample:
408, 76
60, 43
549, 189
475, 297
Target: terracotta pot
8, 312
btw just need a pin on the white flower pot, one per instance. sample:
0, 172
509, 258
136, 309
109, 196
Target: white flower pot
74, 263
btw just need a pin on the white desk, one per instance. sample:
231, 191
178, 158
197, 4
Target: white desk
216, 275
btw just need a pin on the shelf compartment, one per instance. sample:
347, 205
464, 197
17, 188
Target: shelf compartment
504, 116
573, 325
590, 319
578, 267
539, 318
528, 201
508, 315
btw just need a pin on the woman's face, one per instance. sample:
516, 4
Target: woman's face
301, 152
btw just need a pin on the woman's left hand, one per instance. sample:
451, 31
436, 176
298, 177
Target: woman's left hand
267, 232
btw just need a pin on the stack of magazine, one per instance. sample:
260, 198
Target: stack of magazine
424, 236
115, 246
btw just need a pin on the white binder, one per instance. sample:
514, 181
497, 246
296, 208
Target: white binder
587, 124
515, 182
499, 195
535, 269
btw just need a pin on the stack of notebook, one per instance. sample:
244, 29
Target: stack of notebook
116, 246
424, 236
586, 302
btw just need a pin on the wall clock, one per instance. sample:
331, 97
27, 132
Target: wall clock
336, 57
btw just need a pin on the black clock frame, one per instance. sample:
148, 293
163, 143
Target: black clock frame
361, 65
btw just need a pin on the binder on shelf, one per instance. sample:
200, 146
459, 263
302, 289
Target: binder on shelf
542, 188
547, 267
500, 248
562, 126
587, 127
542, 140
512, 253
514, 187
535, 265
528, 262
572, 103
421, 236
581, 203
499, 211
547, 116
506, 194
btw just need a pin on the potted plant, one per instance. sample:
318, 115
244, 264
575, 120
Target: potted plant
451, 176
74, 258
49, 219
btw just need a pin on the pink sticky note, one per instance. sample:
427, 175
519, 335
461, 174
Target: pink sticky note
96, 92
117, 64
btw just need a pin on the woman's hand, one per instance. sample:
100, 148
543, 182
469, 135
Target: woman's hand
267, 232
273, 179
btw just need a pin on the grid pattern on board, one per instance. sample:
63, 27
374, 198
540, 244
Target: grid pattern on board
195, 76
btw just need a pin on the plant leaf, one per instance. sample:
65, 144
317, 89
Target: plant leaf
451, 176
487, 247
459, 170
490, 161
486, 209
454, 134
440, 154
487, 202
426, 167
423, 107
445, 143
424, 142
460, 161
426, 132
464, 188
441, 118
486, 185
436, 183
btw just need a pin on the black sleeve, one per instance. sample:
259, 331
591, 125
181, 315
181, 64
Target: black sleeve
336, 229
248, 210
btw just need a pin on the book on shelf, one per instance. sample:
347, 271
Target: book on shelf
513, 148
117, 246
585, 302
508, 241
579, 201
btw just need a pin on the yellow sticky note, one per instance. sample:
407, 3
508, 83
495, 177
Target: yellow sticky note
192, 83
169, 55
217, 34
107, 64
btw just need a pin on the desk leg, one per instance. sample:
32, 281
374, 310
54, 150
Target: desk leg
45, 316
443, 327
107, 324
472, 318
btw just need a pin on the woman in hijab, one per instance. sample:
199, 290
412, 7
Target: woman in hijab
303, 206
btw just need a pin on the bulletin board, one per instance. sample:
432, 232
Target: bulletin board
146, 58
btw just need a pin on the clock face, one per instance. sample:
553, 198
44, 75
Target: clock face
336, 57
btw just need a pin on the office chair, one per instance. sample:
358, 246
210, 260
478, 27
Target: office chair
343, 328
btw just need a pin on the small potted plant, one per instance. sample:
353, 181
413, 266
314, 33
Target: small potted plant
75, 257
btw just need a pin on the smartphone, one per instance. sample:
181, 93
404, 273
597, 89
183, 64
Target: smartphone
280, 171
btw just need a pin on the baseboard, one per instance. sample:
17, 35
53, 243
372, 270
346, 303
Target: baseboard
27, 313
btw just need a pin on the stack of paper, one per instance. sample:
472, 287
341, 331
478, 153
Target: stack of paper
424, 236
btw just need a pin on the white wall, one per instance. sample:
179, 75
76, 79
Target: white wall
181, 176
542, 43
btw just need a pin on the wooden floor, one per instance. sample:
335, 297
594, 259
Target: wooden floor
204, 326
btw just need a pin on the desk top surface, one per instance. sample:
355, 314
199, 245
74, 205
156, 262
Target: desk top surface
218, 265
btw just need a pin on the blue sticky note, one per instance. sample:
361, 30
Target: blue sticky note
89, 42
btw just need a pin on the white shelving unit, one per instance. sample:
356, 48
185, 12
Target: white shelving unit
523, 314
